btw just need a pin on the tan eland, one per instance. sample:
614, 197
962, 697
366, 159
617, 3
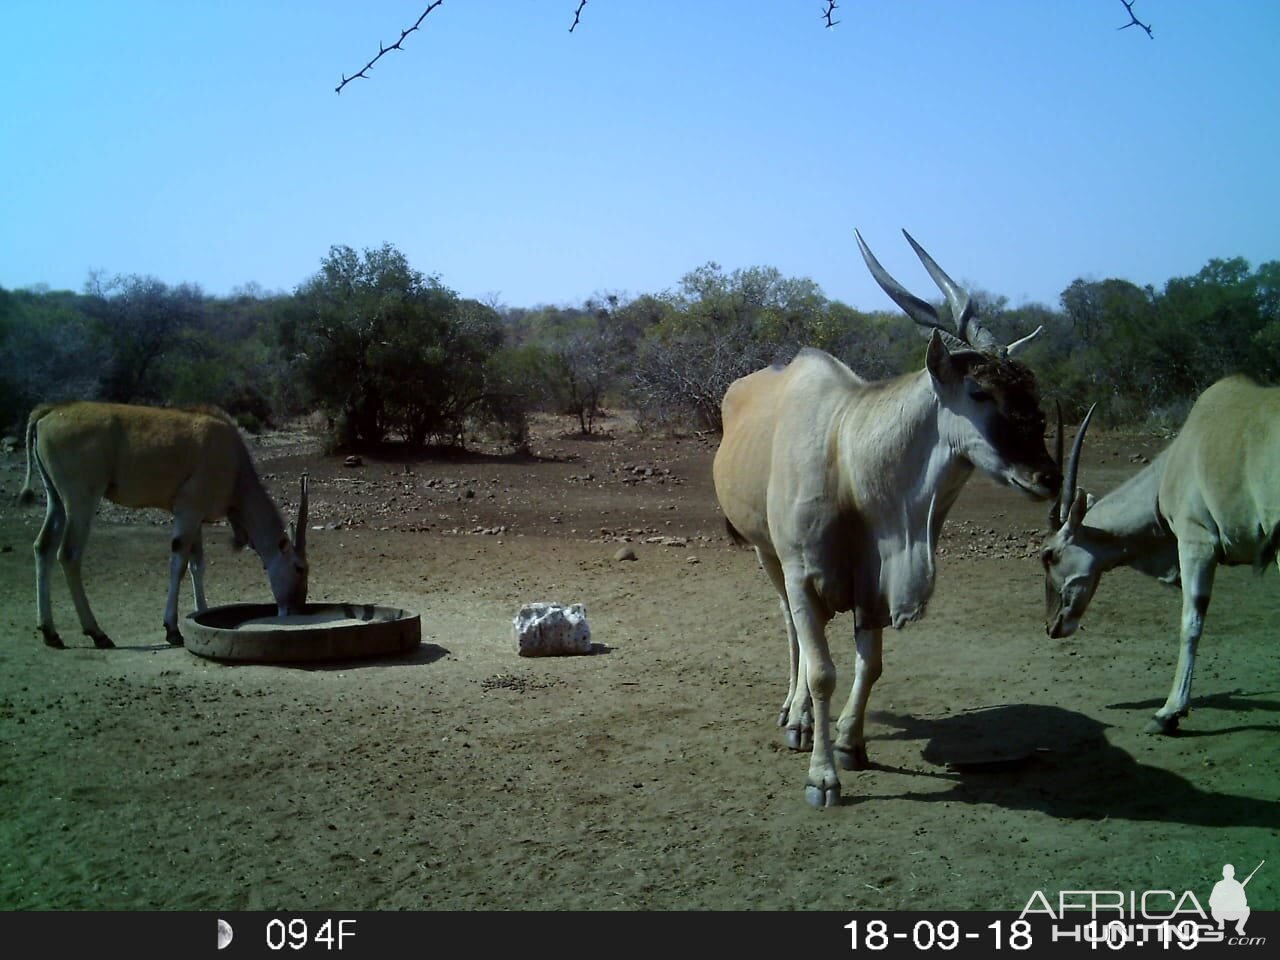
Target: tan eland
1211, 497
191, 462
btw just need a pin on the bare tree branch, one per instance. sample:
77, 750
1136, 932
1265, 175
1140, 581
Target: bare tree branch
364, 71
828, 15
1134, 21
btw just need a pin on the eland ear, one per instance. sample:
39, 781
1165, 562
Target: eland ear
1079, 507
938, 361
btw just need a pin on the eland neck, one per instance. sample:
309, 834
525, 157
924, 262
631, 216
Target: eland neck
899, 462
257, 514
1125, 527
900, 477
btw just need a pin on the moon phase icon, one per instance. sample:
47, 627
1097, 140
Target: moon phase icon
224, 934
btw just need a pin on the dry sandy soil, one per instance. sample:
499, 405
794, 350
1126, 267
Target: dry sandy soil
647, 776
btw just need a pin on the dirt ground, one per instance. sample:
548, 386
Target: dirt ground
647, 776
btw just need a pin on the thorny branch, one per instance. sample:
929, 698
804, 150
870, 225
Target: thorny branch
828, 15
364, 71
1134, 21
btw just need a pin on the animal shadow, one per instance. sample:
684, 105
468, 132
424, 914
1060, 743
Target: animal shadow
1232, 701
421, 655
1060, 762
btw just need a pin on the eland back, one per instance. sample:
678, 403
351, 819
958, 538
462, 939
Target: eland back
190, 462
842, 485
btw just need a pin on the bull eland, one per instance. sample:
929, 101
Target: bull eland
191, 462
1211, 497
842, 485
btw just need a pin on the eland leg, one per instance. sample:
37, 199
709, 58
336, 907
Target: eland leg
798, 734
851, 741
796, 716
196, 569
810, 617
186, 553
70, 555
45, 549
1197, 568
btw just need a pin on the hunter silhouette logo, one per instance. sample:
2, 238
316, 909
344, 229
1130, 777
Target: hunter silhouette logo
1228, 900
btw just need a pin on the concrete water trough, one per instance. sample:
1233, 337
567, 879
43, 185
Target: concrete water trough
253, 633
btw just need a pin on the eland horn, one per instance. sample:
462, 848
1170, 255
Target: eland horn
1055, 511
958, 299
300, 526
1072, 469
921, 311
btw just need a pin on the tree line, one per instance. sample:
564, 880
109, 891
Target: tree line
390, 354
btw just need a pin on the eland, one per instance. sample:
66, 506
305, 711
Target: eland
842, 486
192, 462
1211, 497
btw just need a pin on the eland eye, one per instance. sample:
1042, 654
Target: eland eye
979, 395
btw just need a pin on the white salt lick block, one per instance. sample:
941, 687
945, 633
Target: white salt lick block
551, 630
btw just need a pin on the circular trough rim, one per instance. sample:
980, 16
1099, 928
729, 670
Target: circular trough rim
385, 631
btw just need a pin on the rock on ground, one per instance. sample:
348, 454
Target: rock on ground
551, 630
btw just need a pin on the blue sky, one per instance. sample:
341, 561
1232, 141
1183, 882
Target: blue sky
1024, 144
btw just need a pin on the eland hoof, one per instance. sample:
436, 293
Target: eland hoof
820, 799
101, 640
799, 739
1166, 726
51, 638
855, 759
173, 637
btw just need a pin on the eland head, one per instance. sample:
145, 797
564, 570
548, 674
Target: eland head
287, 570
989, 403
1071, 570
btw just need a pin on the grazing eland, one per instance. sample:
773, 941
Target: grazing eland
191, 462
842, 485
1211, 497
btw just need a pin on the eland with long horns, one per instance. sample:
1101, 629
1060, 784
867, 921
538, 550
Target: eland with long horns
842, 485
